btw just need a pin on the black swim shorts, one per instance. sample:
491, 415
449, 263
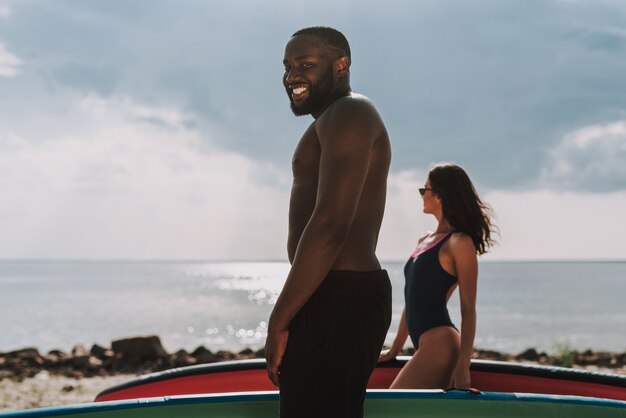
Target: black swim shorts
334, 344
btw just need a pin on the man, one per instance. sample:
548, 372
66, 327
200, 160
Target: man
330, 320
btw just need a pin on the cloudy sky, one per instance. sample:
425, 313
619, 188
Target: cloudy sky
160, 129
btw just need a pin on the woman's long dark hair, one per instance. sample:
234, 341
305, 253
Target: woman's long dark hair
461, 205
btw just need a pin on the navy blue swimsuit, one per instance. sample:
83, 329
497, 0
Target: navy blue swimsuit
425, 291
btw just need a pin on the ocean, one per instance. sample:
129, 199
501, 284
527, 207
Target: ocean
225, 305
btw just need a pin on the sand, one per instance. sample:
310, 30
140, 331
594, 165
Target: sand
51, 390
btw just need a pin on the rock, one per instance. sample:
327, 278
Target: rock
166, 362
139, 348
80, 351
225, 355
101, 352
204, 355
530, 355
490, 355
201, 350
23, 360
116, 365
585, 358
183, 358
57, 359
50, 361
23, 353
90, 363
599, 358
246, 353
58, 353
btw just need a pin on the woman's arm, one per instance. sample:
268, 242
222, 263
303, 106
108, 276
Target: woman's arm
466, 264
398, 342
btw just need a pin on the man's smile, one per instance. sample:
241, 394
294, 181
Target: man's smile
298, 91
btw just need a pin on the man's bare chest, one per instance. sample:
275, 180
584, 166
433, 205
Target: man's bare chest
306, 157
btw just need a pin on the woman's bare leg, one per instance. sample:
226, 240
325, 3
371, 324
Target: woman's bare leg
432, 364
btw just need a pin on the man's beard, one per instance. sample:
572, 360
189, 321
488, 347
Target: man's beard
319, 94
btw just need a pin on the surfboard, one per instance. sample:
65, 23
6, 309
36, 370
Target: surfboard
489, 376
378, 404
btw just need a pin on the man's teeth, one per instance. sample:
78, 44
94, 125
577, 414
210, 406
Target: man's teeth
299, 90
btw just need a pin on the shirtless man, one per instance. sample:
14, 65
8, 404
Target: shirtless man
330, 320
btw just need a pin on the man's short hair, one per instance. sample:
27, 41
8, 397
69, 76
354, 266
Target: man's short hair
329, 37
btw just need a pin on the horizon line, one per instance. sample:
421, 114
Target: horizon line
275, 260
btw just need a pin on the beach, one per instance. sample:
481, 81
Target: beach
52, 390
29, 379
70, 321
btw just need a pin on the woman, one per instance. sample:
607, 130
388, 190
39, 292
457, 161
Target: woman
443, 260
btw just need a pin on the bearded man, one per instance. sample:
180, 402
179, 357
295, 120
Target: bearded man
327, 328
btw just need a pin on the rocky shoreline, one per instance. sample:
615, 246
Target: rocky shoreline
140, 355
137, 355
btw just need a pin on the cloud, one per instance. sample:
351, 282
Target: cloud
9, 63
491, 82
559, 225
589, 159
135, 181
116, 96
534, 225
5, 11
131, 189
404, 222
612, 39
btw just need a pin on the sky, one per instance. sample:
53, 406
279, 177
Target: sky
156, 129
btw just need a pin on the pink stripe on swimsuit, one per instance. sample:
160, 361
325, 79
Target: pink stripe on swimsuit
418, 252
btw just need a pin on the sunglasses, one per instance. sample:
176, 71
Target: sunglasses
423, 190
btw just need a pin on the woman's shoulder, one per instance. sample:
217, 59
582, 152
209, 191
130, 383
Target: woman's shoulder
460, 241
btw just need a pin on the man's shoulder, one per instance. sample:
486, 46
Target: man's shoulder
355, 108
354, 102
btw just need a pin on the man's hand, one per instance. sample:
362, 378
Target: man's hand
275, 346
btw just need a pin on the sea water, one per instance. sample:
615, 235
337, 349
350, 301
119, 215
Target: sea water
225, 305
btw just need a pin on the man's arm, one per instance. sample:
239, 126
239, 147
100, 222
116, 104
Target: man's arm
346, 134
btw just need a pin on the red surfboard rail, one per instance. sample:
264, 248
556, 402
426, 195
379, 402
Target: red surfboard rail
251, 375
